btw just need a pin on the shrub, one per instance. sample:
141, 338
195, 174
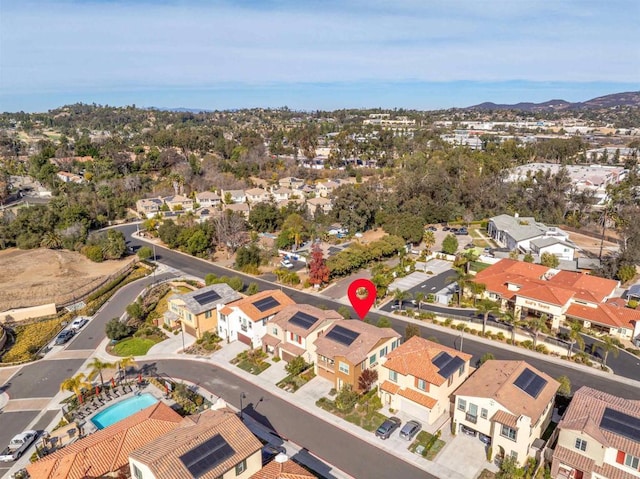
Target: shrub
346, 398
460, 327
448, 321
235, 283
633, 304
94, 253
116, 329
252, 289
296, 366
527, 344
30, 338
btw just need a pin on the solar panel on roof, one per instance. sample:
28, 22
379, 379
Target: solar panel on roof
530, 382
451, 367
441, 359
266, 304
206, 456
342, 335
621, 424
303, 320
207, 297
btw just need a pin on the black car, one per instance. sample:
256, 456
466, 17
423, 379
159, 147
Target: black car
410, 429
432, 228
387, 427
64, 336
468, 431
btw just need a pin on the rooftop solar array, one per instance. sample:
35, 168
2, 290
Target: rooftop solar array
447, 364
206, 298
207, 455
303, 320
342, 335
530, 383
621, 424
265, 304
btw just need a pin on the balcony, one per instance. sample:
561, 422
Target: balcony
471, 419
244, 328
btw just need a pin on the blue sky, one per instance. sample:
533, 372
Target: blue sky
318, 54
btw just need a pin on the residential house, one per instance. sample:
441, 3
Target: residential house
179, 203
319, 205
514, 232
325, 189
282, 194
293, 331
291, 182
509, 401
67, 177
257, 195
532, 289
215, 444
349, 347
197, 312
419, 376
283, 468
554, 246
245, 320
106, 452
208, 199
241, 208
599, 437
236, 196
149, 207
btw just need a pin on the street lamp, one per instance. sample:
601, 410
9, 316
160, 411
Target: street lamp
461, 338
242, 396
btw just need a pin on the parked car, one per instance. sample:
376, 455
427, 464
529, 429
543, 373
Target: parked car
286, 263
410, 429
386, 428
432, 228
461, 231
18, 445
78, 323
64, 336
445, 228
467, 430
485, 439
270, 451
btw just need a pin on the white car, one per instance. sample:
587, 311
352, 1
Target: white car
79, 322
286, 263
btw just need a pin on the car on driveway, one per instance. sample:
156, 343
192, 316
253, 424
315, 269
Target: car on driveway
432, 228
286, 263
467, 430
387, 427
64, 336
78, 323
410, 429
484, 439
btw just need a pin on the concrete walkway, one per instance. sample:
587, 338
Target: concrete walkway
173, 344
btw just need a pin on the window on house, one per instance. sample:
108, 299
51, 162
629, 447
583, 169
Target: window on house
393, 376
422, 384
207, 314
383, 352
343, 367
632, 461
461, 370
372, 359
250, 325
462, 405
508, 432
450, 381
137, 473
514, 455
484, 413
581, 444
241, 467
223, 317
274, 331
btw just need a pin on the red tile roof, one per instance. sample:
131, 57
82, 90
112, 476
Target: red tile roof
283, 470
246, 304
390, 387
606, 314
546, 294
600, 288
418, 397
107, 450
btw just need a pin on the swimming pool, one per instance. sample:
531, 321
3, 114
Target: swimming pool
123, 409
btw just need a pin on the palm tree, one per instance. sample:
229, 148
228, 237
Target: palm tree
419, 297
477, 289
97, 365
575, 336
51, 240
125, 363
400, 296
429, 240
609, 345
512, 320
75, 384
486, 307
462, 278
538, 325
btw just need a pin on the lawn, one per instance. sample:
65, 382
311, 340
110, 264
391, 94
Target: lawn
431, 444
478, 266
134, 346
293, 383
369, 420
252, 361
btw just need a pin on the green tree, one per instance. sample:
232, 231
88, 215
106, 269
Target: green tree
116, 329
575, 336
410, 331
509, 469
346, 398
549, 260
487, 307
565, 386
528, 258
419, 297
135, 311
609, 345
125, 363
252, 289
463, 279
264, 217
248, 256
484, 358
296, 228
113, 245
345, 312
51, 240
145, 252
400, 296
355, 206
538, 326
384, 322
511, 319
296, 366
94, 253
626, 272
75, 384
429, 239
97, 366
406, 225
450, 244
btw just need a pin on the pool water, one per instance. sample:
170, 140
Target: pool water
122, 410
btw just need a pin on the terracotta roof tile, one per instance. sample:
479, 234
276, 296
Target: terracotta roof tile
283, 470
573, 459
418, 397
503, 417
390, 387
546, 294
246, 305
495, 380
600, 288
607, 314
415, 358
107, 450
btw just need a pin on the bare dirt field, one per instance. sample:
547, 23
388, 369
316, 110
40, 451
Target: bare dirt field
592, 245
41, 276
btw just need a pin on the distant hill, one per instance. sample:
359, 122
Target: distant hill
181, 110
631, 98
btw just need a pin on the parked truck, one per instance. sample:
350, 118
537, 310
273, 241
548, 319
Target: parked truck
18, 445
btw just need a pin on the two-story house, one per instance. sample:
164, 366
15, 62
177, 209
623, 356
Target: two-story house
419, 376
197, 311
179, 203
208, 199
349, 347
245, 320
240, 208
149, 207
511, 402
599, 437
235, 196
281, 194
215, 444
257, 195
319, 205
291, 182
293, 331
325, 189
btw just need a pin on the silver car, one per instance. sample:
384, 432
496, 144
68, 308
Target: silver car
410, 429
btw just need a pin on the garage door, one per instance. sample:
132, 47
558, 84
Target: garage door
244, 339
412, 409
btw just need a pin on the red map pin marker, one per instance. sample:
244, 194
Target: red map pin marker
362, 295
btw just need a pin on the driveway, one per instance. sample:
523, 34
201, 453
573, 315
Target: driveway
471, 449
409, 281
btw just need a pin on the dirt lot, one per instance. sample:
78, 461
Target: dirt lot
34, 277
